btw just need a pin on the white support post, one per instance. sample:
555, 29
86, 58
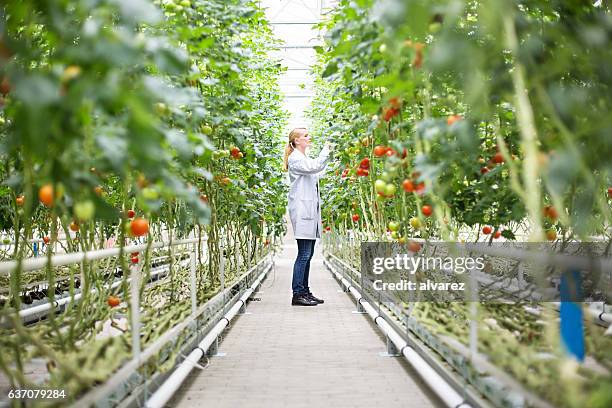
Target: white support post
192, 274
135, 308
473, 314
222, 266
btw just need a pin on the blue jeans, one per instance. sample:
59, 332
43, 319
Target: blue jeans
301, 268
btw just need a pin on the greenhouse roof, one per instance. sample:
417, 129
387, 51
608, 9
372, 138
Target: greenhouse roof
293, 23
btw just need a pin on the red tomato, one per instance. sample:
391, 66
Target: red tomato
139, 227
362, 172
134, 259
484, 170
380, 151
235, 152
408, 186
45, 195
551, 235
389, 113
486, 230
452, 119
355, 217
427, 210
74, 226
5, 86
46, 240
345, 173
365, 164
551, 212
497, 234
418, 59
390, 152
414, 246
113, 301
131, 213
420, 189
498, 158
609, 192
20, 200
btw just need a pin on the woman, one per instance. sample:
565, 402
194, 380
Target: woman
304, 209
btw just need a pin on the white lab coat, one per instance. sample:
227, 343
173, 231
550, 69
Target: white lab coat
304, 199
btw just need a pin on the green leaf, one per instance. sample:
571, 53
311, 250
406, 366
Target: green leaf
331, 69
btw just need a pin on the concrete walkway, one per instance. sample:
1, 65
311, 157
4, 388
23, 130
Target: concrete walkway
280, 355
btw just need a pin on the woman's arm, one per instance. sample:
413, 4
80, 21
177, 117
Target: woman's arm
307, 165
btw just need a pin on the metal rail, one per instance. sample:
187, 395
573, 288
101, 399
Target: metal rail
437, 384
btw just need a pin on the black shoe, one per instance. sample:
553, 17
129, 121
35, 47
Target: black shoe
313, 297
302, 300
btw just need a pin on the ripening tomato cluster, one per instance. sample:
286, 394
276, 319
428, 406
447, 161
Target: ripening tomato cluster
236, 153
495, 160
364, 168
84, 211
487, 230
392, 109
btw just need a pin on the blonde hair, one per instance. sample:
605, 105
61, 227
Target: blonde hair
294, 134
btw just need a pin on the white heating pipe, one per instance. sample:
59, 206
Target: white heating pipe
31, 264
442, 389
23, 313
165, 392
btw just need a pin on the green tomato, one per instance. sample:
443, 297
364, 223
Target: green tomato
435, 27
415, 223
161, 109
391, 169
383, 48
386, 176
380, 186
170, 6
393, 226
390, 189
128, 230
6, 241
207, 130
185, 3
149, 193
395, 235
84, 210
